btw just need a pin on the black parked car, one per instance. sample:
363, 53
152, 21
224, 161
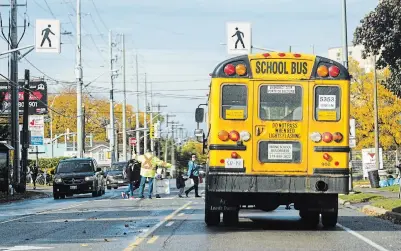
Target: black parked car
78, 176
115, 177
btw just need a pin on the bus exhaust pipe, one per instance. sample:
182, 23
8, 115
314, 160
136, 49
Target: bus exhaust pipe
321, 186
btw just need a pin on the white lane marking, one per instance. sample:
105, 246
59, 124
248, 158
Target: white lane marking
170, 224
181, 214
373, 244
22, 248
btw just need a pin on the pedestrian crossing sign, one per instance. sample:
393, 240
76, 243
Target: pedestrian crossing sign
48, 36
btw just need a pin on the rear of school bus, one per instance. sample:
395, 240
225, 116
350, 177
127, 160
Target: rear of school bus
278, 134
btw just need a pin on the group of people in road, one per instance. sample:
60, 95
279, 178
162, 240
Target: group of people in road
143, 168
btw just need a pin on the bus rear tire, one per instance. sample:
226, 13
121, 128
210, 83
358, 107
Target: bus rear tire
212, 218
310, 218
231, 218
329, 220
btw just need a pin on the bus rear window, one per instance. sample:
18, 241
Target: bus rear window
280, 102
327, 103
234, 102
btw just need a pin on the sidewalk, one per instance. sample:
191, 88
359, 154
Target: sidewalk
30, 194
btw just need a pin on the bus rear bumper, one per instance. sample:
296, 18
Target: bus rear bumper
245, 183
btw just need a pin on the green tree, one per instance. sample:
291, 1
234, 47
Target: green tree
189, 148
380, 33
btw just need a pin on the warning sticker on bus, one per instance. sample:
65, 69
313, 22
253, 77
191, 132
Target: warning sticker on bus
284, 130
281, 89
327, 115
234, 114
327, 102
280, 151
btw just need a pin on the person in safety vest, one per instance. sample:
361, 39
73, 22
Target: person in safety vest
149, 164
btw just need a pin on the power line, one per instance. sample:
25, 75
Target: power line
100, 17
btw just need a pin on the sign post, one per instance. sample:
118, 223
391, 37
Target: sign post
47, 36
132, 141
239, 38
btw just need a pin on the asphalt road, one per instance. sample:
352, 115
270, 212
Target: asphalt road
171, 223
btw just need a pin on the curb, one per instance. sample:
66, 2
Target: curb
382, 213
347, 204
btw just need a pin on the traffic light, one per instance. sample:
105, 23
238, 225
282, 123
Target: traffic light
152, 131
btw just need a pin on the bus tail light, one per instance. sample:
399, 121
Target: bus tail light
326, 156
234, 135
316, 137
334, 71
223, 135
322, 71
337, 137
327, 137
229, 70
240, 69
245, 136
234, 155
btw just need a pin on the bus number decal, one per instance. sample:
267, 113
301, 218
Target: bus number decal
327, 102
284, 130
280, 151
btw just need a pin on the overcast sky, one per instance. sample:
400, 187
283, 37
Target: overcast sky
177, 41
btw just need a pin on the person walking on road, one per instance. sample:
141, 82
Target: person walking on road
132, 174
34, 175
180, 182
149, 164
193, 173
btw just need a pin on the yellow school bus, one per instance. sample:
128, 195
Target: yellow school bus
278, 134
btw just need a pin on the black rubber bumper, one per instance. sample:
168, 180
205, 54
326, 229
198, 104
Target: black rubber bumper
242, 183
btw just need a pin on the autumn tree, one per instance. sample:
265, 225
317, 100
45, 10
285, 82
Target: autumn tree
63, 111
380, 33
362, 110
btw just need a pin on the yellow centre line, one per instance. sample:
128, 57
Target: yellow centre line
153, 239
140, 239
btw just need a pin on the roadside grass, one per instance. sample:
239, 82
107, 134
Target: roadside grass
361, 182
393, 189
388, 204
360, 197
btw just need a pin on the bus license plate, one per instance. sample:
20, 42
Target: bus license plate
73, 187
234, 163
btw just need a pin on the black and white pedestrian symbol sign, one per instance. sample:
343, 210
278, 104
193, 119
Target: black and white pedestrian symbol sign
45, 33
47, 36
239, 38
239, 34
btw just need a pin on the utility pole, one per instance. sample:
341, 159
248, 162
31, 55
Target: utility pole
159, 140
166, 147
124, 124
13, 75
152, 141
138, 145
25, 132
145, 124
345, 37
112, 140
78, 74
376, 116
